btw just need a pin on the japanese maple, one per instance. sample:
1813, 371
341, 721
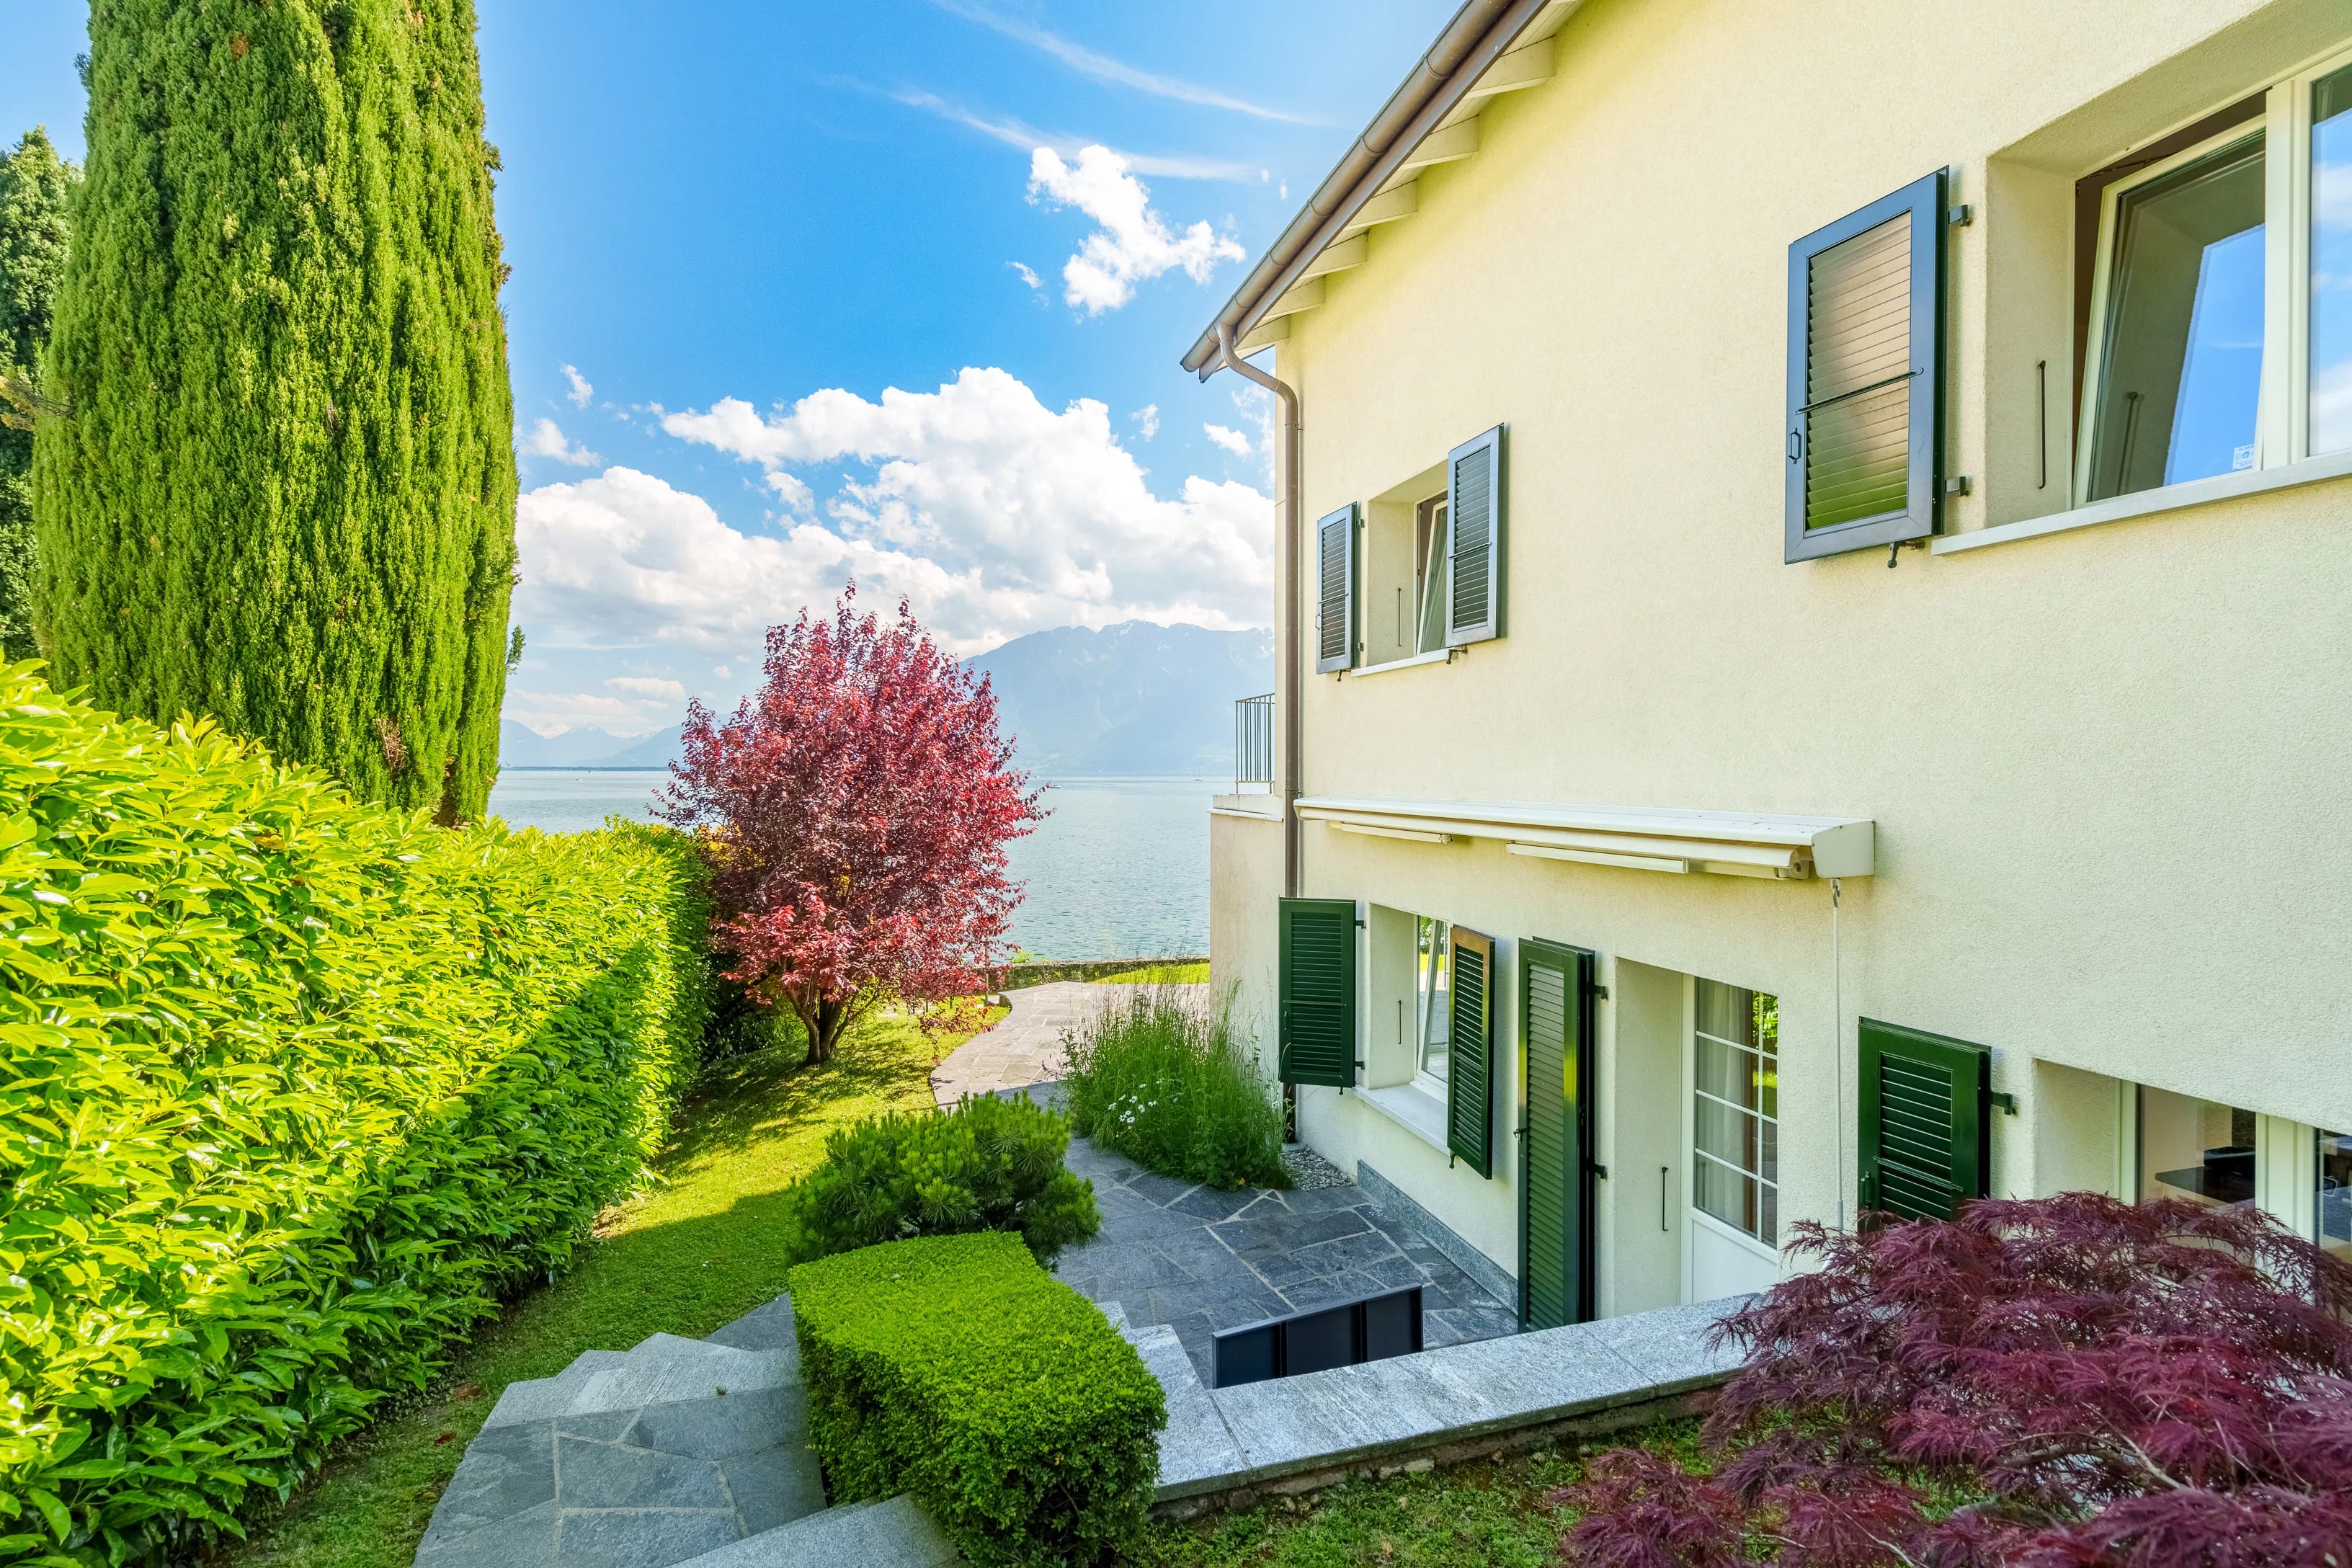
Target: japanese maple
2056, 1383
857, 810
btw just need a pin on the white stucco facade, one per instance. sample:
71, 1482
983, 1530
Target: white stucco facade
2105, 763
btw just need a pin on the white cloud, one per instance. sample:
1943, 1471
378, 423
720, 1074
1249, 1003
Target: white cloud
791, 489
1027, 275
1103, 67
992, 513
1022, 134
546, 440
581, 391
1232, 441
1147, 419
551, 712
722, 672
1133, 243
649, 686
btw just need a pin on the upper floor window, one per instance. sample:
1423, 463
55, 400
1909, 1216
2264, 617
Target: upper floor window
2217, 330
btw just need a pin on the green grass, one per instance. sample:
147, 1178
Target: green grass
1160, 974
1487, 1514
701, 1250
1159, 1078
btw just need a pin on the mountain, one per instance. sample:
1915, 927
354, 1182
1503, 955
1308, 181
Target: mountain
588, 747
1130, 698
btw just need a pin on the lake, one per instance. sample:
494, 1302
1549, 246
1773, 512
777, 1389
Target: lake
1119, 868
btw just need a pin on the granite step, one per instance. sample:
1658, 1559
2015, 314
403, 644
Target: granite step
893, 1533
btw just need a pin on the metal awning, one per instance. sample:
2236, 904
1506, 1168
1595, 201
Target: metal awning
1637, 838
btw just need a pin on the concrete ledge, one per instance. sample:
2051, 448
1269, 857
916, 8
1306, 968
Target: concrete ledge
1484, 1272
1294, 1432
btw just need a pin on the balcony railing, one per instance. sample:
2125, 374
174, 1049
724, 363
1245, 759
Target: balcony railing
1254, 742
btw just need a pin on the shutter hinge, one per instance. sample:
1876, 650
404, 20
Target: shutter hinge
2008, 1102
1602, 992
1960, 216
1597, 1168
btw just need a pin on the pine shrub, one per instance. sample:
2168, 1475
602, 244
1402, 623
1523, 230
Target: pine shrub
283, 495
988, 1164
297, 1089
957, 1369
1159, 1078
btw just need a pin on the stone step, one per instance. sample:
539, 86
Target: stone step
894, 1533
535, 1399
767, 1329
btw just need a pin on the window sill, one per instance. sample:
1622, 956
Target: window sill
1442, 655
2146, 503
1411, 1107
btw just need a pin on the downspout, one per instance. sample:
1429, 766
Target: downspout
1291, 647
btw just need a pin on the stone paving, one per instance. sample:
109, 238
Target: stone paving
1199, 1260
1027, 1048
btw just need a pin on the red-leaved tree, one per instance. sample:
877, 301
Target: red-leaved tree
855, 810
2056, 1383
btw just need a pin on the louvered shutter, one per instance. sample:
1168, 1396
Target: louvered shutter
1317, 1041
1866, 376
1474, 522
1335, 591
1470, 1061
1555, 1232
1926, 1141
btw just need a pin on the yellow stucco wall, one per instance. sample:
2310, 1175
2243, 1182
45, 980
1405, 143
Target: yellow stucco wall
2107, 766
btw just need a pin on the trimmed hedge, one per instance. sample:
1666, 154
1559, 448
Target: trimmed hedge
294, 1090
955, 1368
988, 1164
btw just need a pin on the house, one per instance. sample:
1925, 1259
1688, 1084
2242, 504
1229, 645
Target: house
1818, 628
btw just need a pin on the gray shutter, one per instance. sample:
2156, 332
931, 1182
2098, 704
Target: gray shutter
1335, 591
1474, 520
1316, 1042
1866, 376
1470, 1047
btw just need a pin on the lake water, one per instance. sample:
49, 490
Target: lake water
1119, 868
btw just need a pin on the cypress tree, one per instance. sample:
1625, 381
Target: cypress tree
35, 186
282, 493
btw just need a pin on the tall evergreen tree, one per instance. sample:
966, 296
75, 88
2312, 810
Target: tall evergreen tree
283, 492
35, 186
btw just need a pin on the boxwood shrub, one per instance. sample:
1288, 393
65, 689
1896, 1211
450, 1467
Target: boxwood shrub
956, 1368
295, 1090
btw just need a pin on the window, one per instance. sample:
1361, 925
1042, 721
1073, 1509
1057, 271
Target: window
1736, 1173
2332, 1226
1429, 577
2195, 1148
2217, 322
1433, 1009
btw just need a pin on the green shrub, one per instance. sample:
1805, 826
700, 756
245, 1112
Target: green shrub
296, 1089
988, 1164
955, 1368
1160, 1079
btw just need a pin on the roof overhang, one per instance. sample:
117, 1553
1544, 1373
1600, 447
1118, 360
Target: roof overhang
1445, 82
1635, 838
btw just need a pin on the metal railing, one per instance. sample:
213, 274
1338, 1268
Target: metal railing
1254, 742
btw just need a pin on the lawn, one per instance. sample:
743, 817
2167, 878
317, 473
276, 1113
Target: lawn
1160, 974
700, 1250
1486, 1514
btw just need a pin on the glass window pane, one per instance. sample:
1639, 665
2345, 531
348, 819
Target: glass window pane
1725, 1072
1434, 577
2181, 357
1768, 1219
1730, 1135
2331, 263
1434, 1006
2335, 1213
1727, 1194
2195, 1149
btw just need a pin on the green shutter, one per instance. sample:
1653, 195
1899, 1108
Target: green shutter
1556, 992
1474, 520
1925, 1139
1318, 1037
1470, 1066
1335, 591
1866, 376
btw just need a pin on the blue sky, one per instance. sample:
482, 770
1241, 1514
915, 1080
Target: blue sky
830, 310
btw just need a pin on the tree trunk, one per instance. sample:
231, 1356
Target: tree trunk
824, 1025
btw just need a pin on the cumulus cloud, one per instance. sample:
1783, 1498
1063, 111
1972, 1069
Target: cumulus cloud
1133, 243
993, 514
581, 391
1147, 419
546, 440
1231, 440
649, 686
1028, 276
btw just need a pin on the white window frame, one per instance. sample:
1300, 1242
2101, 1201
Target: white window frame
2283, 413
1423, 1079
1697, 1216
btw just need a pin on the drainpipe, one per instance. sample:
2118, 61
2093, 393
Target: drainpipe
1291, 649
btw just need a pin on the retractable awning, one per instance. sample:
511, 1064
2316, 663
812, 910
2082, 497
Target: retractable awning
1645, 838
